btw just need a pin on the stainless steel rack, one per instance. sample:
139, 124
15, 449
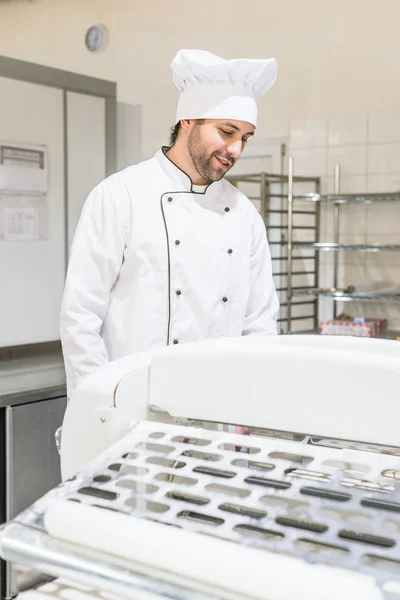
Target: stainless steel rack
292, 219
272, 194
343, 296
335, 247
337, 200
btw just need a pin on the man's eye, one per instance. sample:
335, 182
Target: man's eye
245, 140
226, 132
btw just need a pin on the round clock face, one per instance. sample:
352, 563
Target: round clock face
96, 38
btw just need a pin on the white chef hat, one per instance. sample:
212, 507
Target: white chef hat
213, 88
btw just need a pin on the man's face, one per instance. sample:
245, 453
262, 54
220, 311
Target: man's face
215, 145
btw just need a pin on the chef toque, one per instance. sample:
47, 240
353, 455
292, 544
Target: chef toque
213, 88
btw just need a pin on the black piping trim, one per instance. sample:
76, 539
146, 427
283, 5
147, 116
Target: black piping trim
169, 269
164, 151
169, 257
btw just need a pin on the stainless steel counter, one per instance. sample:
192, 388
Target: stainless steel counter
32, 405
31, 379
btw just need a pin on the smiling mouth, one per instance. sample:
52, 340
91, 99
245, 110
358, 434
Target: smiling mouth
223, 163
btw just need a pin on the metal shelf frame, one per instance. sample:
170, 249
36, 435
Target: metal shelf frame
336, 247
388, 334
275, 195
287, 263
336, 200
347, 296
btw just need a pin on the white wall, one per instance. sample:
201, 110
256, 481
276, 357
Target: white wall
334, 58
51, 33
336, 98
367, 148
31, 269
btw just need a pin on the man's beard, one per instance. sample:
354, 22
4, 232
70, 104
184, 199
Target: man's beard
202, 161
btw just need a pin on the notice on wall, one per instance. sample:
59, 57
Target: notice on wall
21, 224
23, 168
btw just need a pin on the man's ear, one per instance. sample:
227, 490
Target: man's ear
187, 124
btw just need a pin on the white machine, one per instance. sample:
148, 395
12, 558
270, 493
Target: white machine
162, 498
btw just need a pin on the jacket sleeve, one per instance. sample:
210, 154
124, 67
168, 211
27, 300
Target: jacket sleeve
263, 304
95, 260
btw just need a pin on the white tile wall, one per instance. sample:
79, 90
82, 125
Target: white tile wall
353, 268
383, 183
309, 161
326, 272
384, 158
387, 274
307, 187
354, 272
303, 235
309, 133
327, 223
367, 148
382, 260
352, 159
383, 219
325, 309
277, 130
383, 238
384, 128
349, 184
347, 130
353, 223
326, 185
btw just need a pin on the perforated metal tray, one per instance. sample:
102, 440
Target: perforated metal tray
325, 505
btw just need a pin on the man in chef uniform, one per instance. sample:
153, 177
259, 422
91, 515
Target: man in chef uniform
168, 251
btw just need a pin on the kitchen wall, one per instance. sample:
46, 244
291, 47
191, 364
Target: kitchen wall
336, 99
367, 149
334, 59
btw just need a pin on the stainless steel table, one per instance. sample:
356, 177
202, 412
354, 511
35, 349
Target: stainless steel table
32, 405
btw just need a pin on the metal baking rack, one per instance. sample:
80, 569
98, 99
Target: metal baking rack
271, 194
324, 505
339, 200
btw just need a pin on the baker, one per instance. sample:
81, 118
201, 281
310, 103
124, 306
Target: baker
168, 251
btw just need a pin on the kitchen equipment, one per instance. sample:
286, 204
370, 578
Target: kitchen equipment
161, 499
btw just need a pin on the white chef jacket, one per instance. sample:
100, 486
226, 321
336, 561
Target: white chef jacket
153, 263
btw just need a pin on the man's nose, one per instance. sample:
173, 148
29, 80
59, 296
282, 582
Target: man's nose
235, 148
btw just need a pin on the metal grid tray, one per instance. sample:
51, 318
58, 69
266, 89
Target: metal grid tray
329, 506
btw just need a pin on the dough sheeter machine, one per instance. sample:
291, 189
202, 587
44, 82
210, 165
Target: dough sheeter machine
254, 468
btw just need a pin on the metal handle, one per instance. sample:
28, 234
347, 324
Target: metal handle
290, 244
336, 232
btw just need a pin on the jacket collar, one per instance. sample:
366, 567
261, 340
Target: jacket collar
179, 177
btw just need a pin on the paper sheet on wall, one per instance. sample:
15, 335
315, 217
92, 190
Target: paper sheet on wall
21, 224
23, 168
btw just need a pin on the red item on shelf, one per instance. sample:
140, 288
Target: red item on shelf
346, 325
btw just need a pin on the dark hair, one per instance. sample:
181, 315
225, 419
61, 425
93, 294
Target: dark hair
174, 133
176, 129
